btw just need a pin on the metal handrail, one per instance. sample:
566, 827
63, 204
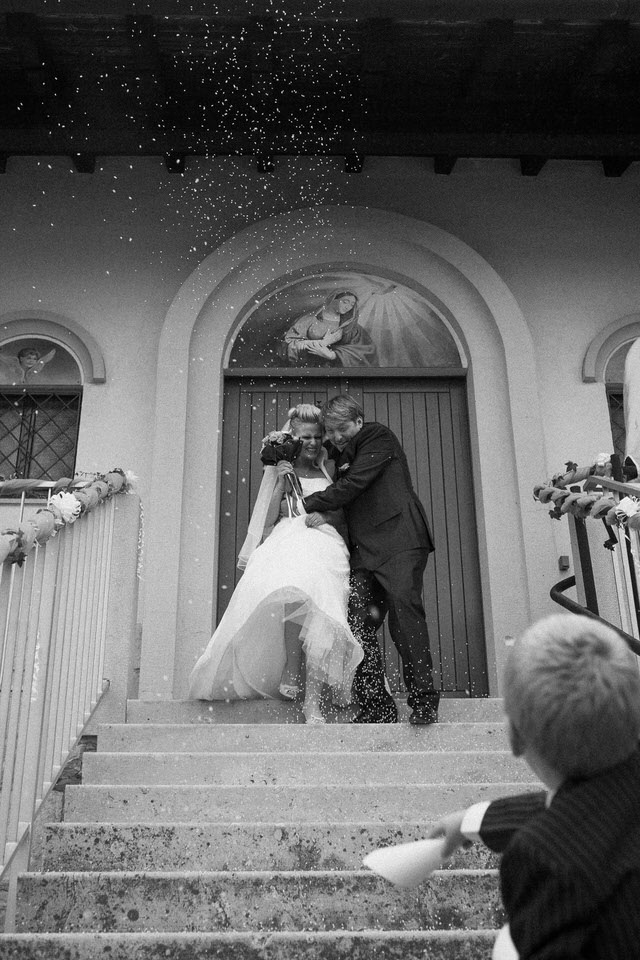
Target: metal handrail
557, 595
626, 489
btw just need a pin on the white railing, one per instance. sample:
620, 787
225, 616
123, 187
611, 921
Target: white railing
54, 612
604, 526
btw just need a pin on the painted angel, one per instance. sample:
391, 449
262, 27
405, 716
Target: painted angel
25, 366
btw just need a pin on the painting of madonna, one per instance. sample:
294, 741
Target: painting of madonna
330, 336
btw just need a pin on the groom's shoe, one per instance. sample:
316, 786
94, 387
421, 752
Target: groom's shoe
421, 716
377, 715
380, 709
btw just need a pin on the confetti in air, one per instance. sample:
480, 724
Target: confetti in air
274, 106
251, 112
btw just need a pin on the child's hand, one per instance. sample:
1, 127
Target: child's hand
449, 828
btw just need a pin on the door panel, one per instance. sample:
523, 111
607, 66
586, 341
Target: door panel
429, 416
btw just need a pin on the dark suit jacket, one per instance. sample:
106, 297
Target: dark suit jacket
570, 874
374, 487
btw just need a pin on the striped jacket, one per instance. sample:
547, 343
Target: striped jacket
570, 874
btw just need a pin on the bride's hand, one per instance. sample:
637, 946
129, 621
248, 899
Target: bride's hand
314, 519
283, 467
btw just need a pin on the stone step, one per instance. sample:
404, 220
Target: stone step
280, 711
368, 945
346, 768
290, 804
304, 900
233, 846
238, 737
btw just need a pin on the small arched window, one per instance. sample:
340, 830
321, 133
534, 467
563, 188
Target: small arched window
40, 403
604, 363
614, 381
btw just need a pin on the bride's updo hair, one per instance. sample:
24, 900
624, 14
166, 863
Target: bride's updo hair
305, 413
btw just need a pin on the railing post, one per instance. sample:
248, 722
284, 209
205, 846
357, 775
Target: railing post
604, 579
67, 626
19, 864
603, 518
583, 565
119, 614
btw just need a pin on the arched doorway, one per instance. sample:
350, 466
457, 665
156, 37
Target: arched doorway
398, 358
505, 428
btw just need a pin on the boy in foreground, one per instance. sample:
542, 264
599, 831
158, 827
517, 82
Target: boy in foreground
570, 870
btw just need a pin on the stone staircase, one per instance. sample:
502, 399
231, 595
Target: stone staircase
233, 831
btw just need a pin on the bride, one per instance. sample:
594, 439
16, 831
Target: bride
286, 628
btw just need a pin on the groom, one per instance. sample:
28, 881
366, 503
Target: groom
390, 545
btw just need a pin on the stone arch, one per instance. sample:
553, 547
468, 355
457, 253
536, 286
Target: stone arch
507, 439
606, 343
67, 333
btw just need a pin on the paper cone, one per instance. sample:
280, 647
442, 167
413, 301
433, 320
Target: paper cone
407, 864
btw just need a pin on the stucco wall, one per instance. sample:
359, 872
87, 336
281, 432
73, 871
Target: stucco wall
110, 251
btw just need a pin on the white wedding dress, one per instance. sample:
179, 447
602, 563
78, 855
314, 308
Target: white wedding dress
300, 574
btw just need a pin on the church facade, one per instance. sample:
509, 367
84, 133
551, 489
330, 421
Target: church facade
493, 313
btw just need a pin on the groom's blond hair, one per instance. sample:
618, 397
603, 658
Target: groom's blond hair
342, 408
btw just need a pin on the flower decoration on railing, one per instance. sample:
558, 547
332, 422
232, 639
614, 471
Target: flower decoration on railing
563, 492
69, 500
628, 512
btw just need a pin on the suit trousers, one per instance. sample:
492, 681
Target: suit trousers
394, 588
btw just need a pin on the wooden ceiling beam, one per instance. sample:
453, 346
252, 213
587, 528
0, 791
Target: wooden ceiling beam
22, 30
475, 90
600, 71
24, 33
445, 147
615, 166
444, 164
265, 163
353, 163
492, 52
451, 11
261, 41
148, 66
175, 162
610, 47
84, 162
531, 166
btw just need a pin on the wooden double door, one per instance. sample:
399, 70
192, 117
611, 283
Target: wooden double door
429, 416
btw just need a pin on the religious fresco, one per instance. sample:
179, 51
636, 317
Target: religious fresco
344, 319
32, 361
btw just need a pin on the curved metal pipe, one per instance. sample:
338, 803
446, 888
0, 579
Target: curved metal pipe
557, 595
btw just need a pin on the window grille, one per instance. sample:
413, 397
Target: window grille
39, 433
616, 416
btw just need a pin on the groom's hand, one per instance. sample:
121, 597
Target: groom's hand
314, 519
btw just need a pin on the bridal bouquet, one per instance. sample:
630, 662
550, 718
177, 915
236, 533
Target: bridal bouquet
279, 445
